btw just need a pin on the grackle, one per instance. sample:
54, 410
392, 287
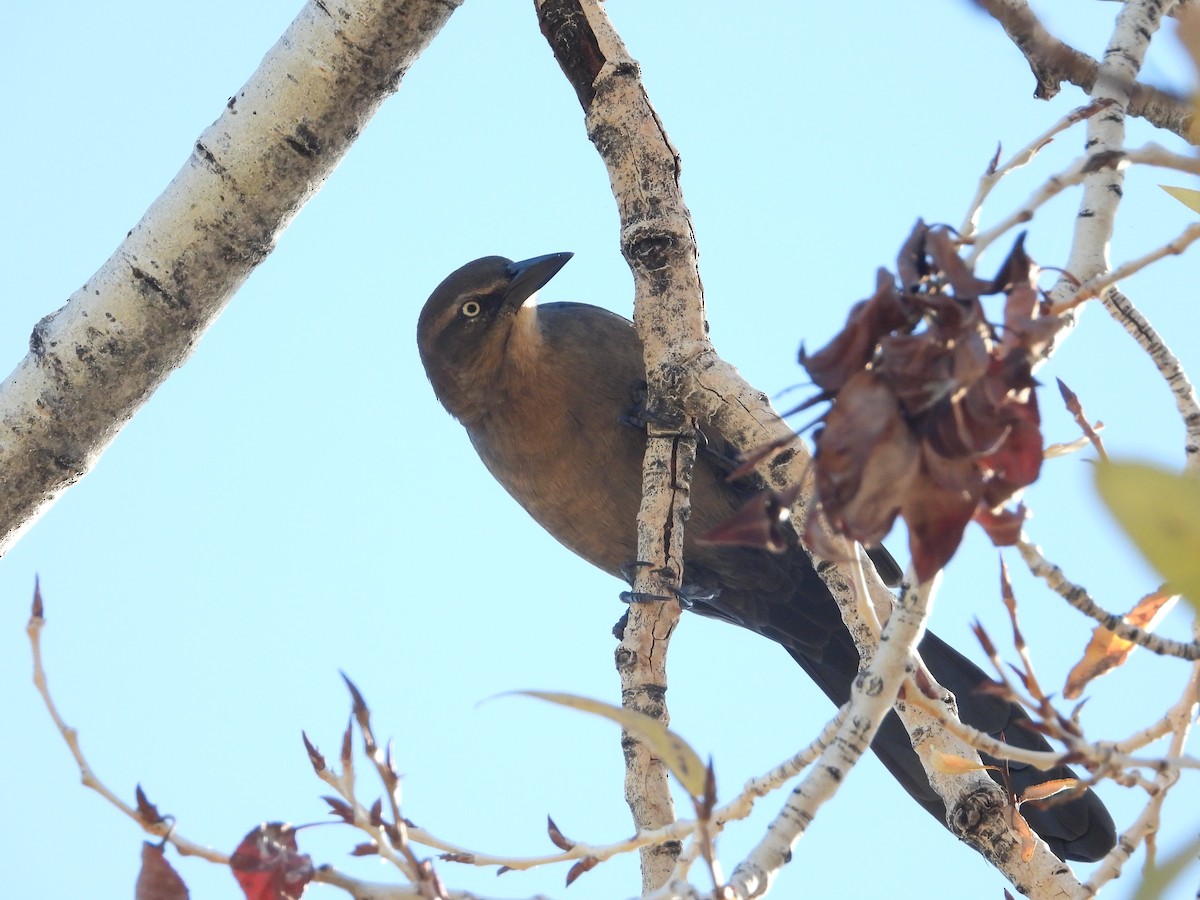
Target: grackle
544, 392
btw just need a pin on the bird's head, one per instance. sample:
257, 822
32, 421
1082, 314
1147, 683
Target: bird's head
466, 330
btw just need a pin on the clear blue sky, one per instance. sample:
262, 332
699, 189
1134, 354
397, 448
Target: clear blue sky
293, 501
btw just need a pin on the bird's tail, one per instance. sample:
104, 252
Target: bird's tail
1078, 829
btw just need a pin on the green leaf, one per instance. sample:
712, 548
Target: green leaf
673, 750
1156, 879
1160, 511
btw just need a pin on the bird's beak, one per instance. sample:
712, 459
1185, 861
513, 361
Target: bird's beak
529, 275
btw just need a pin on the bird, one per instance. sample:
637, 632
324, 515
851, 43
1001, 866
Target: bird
545, 391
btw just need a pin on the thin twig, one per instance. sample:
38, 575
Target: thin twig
1079, 598
1183, 714
1097, 284
1078, 172
885, 674
163, 828
1121, 308
735, 810
994, 173
1052, 187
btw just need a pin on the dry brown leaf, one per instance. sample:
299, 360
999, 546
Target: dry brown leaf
157, 880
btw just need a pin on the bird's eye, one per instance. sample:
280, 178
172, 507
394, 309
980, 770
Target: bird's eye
471, 309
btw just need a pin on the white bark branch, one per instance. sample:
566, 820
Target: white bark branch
1103, 188
94, 362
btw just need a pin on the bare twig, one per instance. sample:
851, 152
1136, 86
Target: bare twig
992, 175
1181, 716
738, 808
1052, 187
1079, 598
163, 827
1097, 284
1077, 173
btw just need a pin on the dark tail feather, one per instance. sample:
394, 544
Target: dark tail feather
1080, 829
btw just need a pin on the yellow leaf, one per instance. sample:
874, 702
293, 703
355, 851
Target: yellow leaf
1160, 511
949, 764
673, 750
1186, 196
1156, 879
1017, 823
1048, 789
1105, 651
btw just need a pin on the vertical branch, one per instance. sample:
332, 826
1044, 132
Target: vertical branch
658, 243
1104, 184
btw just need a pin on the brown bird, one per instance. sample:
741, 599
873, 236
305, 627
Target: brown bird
545, 393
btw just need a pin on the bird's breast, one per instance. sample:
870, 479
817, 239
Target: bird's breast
572, 465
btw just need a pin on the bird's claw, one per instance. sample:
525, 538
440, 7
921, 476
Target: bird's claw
629, 570
643, 418
691, 594
641, 597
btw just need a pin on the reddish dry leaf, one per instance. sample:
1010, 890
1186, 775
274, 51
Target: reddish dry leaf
269, 866
146, 810
557, 837
940, 503
866, 460
936, 423
157, 879
584, 865
940, 247
1003, 526
1105, 651
1017, 462
852, 348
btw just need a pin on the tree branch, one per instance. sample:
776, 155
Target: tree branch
1054, 62
93, 363
658, 243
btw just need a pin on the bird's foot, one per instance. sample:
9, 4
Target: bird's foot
641, 597
655, 421
629, 569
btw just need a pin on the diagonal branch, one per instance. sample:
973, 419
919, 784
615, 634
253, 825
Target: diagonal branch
93, 363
